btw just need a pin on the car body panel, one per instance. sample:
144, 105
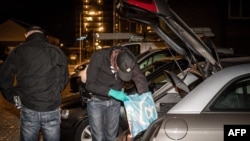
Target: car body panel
73, 103
203, 127
200, 115
220, 79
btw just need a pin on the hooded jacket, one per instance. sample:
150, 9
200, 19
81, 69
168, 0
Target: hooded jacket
100, 77
39, 71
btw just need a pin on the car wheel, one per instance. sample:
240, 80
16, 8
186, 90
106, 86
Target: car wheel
83, 132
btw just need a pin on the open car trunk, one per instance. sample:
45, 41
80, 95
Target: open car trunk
175, 32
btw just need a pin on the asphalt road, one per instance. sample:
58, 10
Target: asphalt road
9, 119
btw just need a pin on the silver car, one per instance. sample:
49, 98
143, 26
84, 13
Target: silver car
219, 103
210, 97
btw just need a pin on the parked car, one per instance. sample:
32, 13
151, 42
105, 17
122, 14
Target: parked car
138, 48
203, 62
145, 59
74, 125
222, 99
193, 103
155, 73
77, 76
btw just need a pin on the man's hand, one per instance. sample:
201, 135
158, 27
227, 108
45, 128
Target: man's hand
119, 95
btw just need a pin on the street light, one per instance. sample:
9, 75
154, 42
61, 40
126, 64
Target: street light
80, 41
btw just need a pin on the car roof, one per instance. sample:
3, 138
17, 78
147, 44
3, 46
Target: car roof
197, 99
153, 51
150, 51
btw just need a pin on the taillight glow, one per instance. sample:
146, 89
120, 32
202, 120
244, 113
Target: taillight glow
144, 4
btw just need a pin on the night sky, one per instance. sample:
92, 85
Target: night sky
55, 16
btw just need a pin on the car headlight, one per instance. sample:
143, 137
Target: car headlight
176, 128
64, 113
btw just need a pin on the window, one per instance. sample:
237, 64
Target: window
134, 48
236, 97
153, 58
238, 9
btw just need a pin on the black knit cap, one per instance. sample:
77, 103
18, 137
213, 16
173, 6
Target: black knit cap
126, 62
35, 27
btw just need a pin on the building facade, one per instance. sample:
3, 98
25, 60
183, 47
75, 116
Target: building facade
228, 20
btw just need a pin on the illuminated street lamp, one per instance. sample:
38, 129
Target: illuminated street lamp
80, 41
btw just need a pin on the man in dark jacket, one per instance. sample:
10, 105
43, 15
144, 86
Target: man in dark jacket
107, 71
40, 73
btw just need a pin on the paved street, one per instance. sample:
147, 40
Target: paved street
9, 120
9, 126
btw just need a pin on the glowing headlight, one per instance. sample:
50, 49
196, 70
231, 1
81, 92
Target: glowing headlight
64, 113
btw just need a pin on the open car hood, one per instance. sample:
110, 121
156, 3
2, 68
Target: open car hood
175, 32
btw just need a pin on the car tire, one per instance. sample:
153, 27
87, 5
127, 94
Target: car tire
83, 132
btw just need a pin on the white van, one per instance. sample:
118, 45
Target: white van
141, 47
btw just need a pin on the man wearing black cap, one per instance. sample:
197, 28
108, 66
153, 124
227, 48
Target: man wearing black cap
40, 70
107, 71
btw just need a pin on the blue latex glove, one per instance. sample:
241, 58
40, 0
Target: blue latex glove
119, 95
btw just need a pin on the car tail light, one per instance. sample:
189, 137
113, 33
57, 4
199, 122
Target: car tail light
176, 128
144, 4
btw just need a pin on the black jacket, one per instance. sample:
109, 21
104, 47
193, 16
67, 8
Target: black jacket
40, 71
100, 78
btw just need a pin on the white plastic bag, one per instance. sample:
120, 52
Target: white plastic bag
141, 112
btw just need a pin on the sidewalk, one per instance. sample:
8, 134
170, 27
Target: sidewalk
9, 122
9, 126
9, 119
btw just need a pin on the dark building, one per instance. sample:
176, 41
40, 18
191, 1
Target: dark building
229, 20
